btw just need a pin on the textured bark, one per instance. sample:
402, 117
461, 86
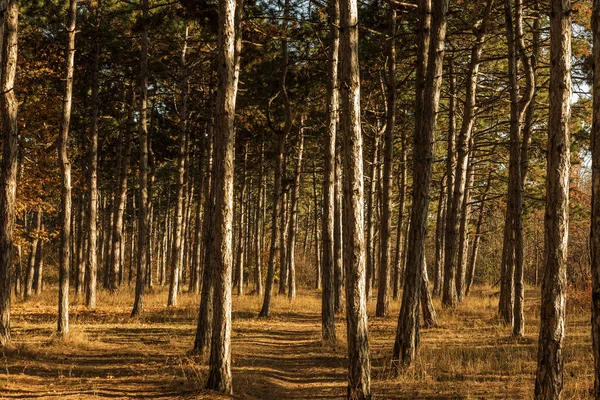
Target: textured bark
38, 276
259, 228
400, 249
29, 274
440, 225
359, 364
329, 146
118, 225
338, 240
143, 213
293, 226
450, 296
429, 315
176, 261
202, 342
427, 102
371, 209
92, 210
266, 307
595, 223
463, 239
383, 297
477, 237
239, 262
549, 376
221, 252
8, 180
65, 171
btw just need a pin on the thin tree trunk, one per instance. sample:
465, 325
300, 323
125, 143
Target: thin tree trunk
383, 297
549, 376
38, 277
92, 253
440, 225
291, 239
370, 227
338, 240
239, 262
327, 274
463, 241
477, 237
259, 231
118, 226
400, 248
140, 281
29, 275
65, 169
181, 187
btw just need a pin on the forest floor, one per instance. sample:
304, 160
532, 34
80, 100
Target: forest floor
109, 355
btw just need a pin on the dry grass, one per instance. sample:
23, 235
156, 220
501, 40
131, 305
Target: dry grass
109, 355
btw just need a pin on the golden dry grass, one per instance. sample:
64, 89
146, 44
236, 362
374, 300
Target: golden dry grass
109, 355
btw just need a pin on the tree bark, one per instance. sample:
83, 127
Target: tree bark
293, 228
8, 180
143, 214
383, 297
92, 214
221, 253
595, 218
359, 365
427, 101
29, 275
176, 261
549, 376
450, 296
329, 147
65, 169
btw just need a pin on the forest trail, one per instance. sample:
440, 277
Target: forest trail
112, 356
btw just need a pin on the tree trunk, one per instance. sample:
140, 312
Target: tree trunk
429, 314
440, 224
338, 240
266, 307
38, 276
451, 242
329, 147
549, 377
463, 241
291, 239
371, 209
259, 231
400, 249
239, 262
8, 180
427, 100
221, 252
181, 187
92, 253
383, 297
595, 223
118, 226
477, 237
359, 365
29, 275
65, 170
140, 280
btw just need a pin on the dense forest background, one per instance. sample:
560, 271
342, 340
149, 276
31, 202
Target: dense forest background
143, 143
